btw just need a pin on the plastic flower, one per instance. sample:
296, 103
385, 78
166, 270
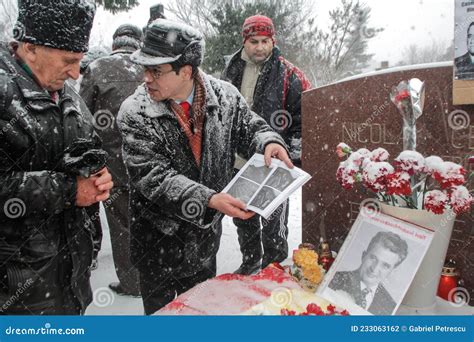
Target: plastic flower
460, 199
449, 174
436, 201
343, 150
410, 161
375, 175
398, 183
379, 155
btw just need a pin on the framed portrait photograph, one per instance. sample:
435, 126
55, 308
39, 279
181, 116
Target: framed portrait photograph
464, 40
376, 264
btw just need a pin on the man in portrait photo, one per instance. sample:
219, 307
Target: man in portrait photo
465, 63
363, 286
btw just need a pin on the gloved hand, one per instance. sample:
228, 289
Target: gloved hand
84, 157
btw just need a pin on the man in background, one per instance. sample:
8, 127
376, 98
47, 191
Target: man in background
107, 82
272, 87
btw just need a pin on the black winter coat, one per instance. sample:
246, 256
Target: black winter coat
174, 233
277, 96
41, 149
107, 82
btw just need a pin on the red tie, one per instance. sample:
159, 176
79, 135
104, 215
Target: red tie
186, 106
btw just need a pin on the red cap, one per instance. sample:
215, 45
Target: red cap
258, 25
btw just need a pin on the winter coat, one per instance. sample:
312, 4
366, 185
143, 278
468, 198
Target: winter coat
42, 148
107, 82
173, 230
277, 96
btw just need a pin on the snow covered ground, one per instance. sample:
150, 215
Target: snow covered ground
229, 258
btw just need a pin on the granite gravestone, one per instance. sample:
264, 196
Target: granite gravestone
358, 111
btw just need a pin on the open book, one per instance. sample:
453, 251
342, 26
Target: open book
264, 188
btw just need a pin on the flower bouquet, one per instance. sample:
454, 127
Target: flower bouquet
306, 269
412, 181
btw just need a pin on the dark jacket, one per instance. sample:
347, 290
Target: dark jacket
173, 230
464, 67
107, 82
42, 148
349, 281
277, 96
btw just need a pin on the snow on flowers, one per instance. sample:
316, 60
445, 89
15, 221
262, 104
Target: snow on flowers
413, 181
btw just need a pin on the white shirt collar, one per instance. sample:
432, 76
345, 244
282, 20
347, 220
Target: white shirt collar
190, 98
370, 296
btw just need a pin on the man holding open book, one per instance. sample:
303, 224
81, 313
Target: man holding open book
181, 130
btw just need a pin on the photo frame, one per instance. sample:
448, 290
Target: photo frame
376, 264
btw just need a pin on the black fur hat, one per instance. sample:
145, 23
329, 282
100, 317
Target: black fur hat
60, 24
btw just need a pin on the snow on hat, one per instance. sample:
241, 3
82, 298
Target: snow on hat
258, 25
127, 35
168, 41
60, 24
128, 30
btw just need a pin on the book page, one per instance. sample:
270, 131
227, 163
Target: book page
264, 188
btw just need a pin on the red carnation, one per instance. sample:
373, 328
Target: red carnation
402, 95
398, 183
286, 312
460, 199
435, 201
347, 175
449, 175
314, 309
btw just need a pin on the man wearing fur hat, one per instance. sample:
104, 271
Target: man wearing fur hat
181, 130
51, 165
107, 82
272, 87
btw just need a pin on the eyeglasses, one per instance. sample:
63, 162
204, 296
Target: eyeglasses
156, 72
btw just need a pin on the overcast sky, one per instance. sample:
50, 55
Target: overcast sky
404, 22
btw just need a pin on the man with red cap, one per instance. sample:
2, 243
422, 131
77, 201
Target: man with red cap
272, 87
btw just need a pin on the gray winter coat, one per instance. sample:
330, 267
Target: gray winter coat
107, 82
173, 230
39, 218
